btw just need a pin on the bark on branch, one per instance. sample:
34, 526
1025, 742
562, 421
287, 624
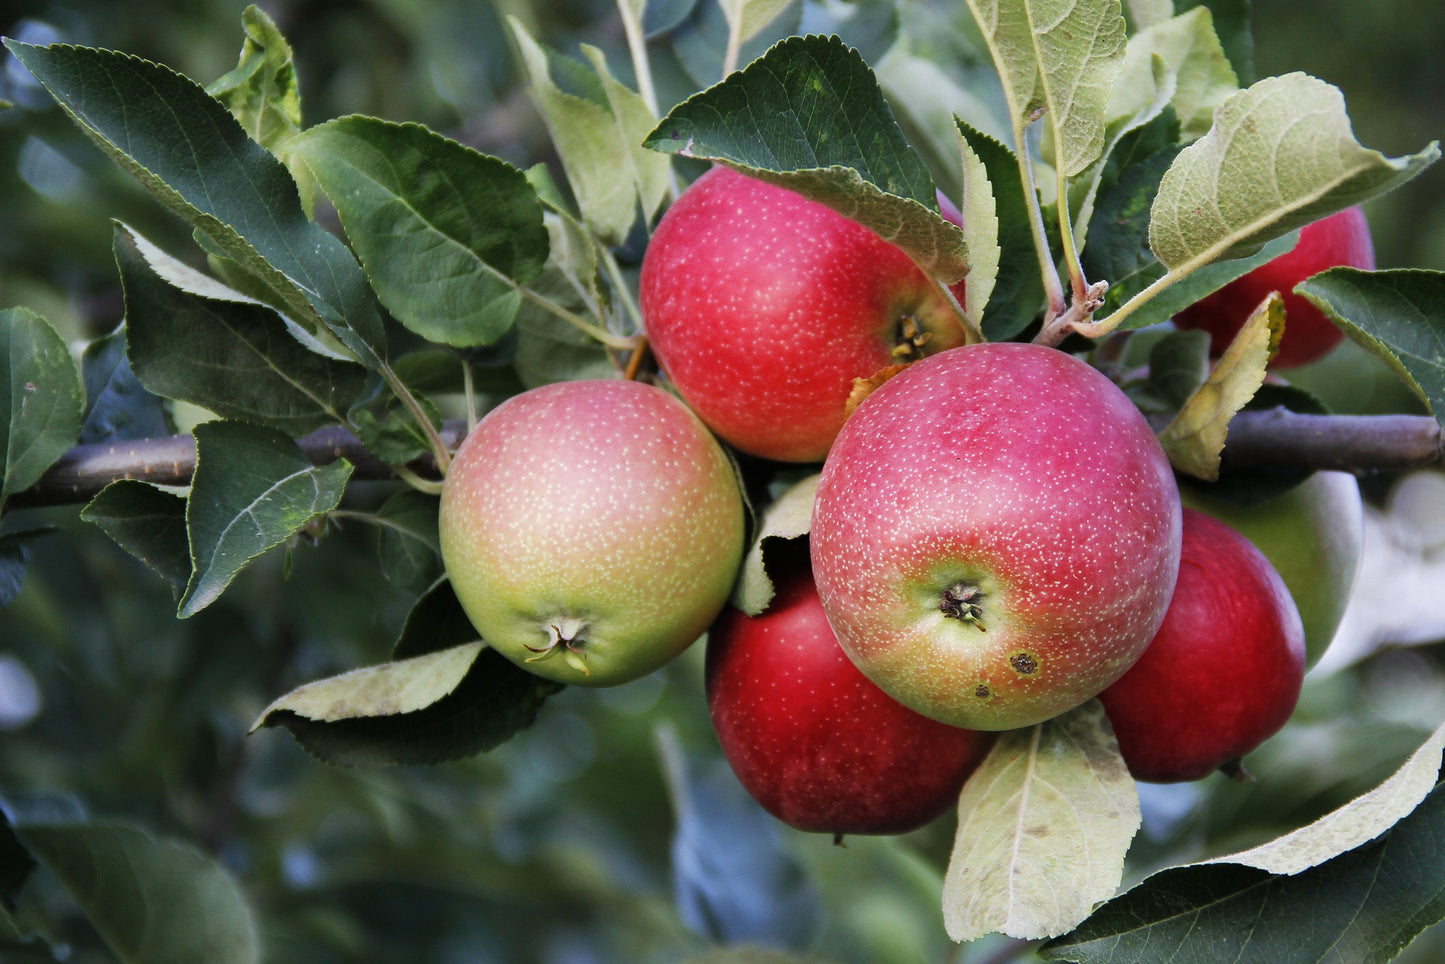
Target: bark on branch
1273, 438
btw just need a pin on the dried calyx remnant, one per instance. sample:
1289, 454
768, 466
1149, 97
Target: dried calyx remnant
908, 346
963, 601
564, 636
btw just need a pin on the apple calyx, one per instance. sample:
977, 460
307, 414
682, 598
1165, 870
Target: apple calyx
909, 344
961, 601
565, 636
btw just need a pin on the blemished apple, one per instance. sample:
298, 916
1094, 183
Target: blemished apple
763, 306
591, 529
995, 535
1313, 535
1342, 238
816, 743
1223, 673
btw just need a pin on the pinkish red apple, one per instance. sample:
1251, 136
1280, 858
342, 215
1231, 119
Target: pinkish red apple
762, 307
996, 535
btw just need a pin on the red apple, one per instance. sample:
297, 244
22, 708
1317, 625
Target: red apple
817, 744
762, 307
996, 535
1340, 239
591, 529
1223, 673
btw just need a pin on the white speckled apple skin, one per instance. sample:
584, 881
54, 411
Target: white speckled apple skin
601, 501
1026, 473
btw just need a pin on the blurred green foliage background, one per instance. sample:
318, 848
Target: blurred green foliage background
560, 846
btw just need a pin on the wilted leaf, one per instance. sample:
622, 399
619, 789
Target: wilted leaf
1058, 58
438, 706
788, 517
1364, 905
191, 338
391, 689
154, 901
252, 490
1195, 437
446, 234
147, 522
809, 115
42, 396
1280, 155
1359, 821
1043, 827
1399, 315
184, 147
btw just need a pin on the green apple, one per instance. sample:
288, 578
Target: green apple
1313, 536
591, 529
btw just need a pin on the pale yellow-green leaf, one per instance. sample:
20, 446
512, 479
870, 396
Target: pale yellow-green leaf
1146, 13
1043, 825
1280, 155
1058, 57
789, 517
747, 17
1191, 48
1195, 437
1356, 823
403, 686
588, 139
650, 170
980, 231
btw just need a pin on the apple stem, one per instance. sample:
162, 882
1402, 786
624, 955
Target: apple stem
961, 601
1235, 770
973, 334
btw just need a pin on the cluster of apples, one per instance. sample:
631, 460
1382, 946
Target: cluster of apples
997, 535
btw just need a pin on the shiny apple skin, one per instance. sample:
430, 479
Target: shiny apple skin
763, 306
812, 740
1225, 670
1017, 472
1342, 238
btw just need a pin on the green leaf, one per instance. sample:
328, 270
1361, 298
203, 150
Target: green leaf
442, 705
186, 149
118, 407
147, 522
1018, 290
1203, 75
153, 900
1232, 24
809, 115
1280, 155
193, 339
746, 18
1194, 439
1399, 315
1043, 825
41, 390
597, 126
263, 93
436, 621
550, 349
788, 517
979, 211
1365, 905
388, 429
1058, 57
1178, 365
253, 488
446, 234
409, 548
